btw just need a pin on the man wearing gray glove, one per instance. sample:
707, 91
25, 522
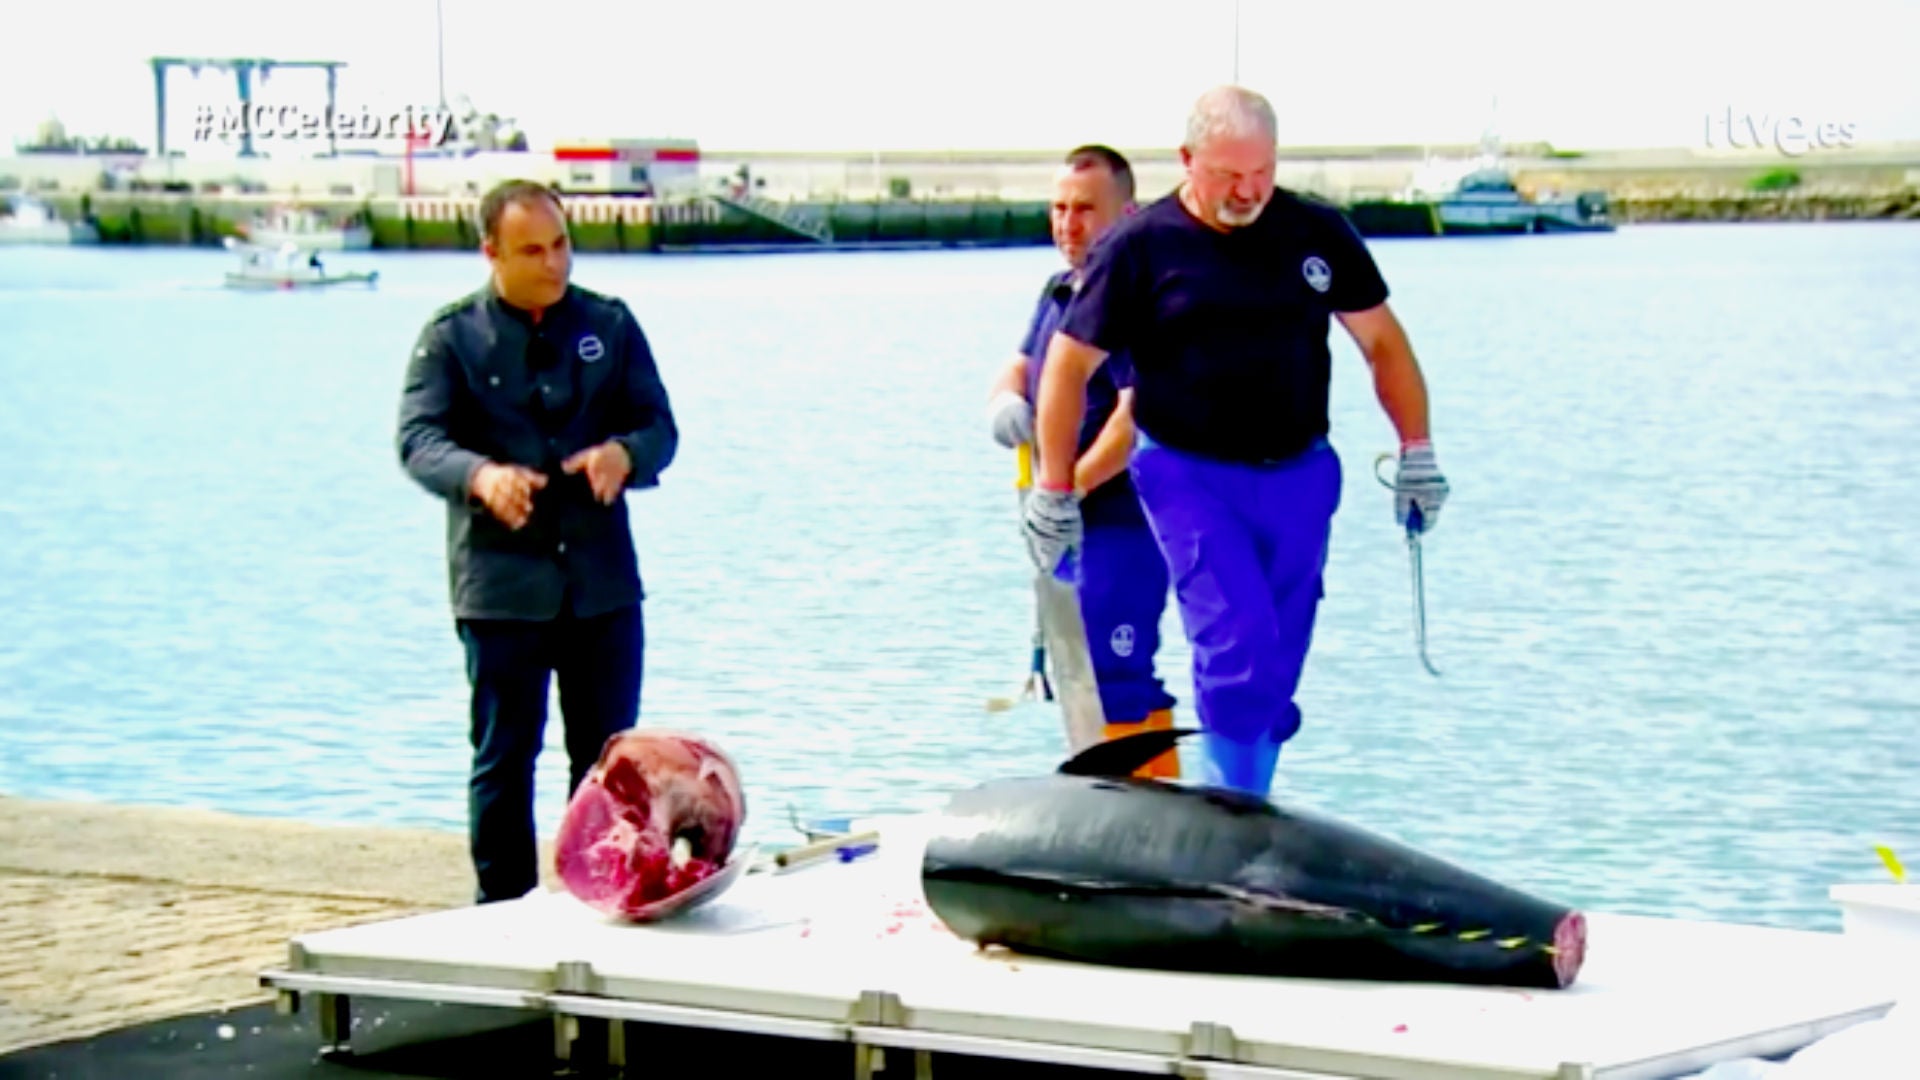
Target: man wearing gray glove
1222, 296
1010, 415
1094, 516
1418, 488
1053, 528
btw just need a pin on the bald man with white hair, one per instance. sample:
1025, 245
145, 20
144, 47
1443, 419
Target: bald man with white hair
1223, 294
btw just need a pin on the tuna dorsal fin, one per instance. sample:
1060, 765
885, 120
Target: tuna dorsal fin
1120, 757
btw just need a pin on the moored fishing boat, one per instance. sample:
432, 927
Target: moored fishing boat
26, 220
288, 267
1487, 201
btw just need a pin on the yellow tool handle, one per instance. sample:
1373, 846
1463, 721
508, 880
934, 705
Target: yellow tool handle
1024, 455
1893, 863
821, 849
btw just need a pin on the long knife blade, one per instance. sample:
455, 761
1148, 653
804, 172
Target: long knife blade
1064, 633
1073, 680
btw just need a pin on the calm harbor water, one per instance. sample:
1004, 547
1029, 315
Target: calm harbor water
1675, 599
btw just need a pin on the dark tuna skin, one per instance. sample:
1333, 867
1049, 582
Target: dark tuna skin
1144, 874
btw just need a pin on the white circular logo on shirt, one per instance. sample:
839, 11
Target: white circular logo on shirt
1122, 640
591, 349
1318, 273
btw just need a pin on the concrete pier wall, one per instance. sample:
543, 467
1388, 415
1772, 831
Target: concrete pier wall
627, 225
798, 177
909, 198
599, 223
1340, 174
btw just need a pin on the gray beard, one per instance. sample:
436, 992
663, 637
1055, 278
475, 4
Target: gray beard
1236, 219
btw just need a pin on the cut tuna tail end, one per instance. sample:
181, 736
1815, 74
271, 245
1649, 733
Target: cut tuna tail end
1569, 947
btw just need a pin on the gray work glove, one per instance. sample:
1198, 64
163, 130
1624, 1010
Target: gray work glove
1012, 419
1418, 488
1052, 527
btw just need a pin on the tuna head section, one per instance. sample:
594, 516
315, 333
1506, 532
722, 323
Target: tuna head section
656, 817
1144, 874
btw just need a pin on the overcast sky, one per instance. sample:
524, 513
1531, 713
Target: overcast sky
984, 74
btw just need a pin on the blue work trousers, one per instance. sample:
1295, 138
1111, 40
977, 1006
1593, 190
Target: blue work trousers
1246, 546
1123, 594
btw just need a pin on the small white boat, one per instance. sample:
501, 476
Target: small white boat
307, 228
287, 267
27, 220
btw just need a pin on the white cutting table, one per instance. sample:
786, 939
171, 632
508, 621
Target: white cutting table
851, 953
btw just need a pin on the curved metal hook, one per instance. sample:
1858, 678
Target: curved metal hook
1413, 554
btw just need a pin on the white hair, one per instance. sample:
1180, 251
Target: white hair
1230, 111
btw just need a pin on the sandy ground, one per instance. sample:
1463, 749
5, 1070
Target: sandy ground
117, 915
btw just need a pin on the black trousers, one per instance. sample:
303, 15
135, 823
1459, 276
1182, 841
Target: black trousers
597, 662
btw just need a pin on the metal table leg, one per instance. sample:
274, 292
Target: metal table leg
335, 1020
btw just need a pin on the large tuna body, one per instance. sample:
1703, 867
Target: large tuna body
1140, 873
651, 828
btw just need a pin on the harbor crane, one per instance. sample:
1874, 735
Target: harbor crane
243, 69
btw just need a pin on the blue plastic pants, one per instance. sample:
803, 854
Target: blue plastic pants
1246, 546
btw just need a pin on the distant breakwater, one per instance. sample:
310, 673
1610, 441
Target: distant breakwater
598, 223
1895, 205
614, 224
634, 225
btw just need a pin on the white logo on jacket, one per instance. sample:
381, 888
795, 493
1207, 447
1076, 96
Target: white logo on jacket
1318, 273
1122, 640
591, 349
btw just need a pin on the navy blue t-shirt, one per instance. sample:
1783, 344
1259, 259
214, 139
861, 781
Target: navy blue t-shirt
1227, 332
1113, 502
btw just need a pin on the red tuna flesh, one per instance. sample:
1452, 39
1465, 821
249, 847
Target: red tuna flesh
657, 815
